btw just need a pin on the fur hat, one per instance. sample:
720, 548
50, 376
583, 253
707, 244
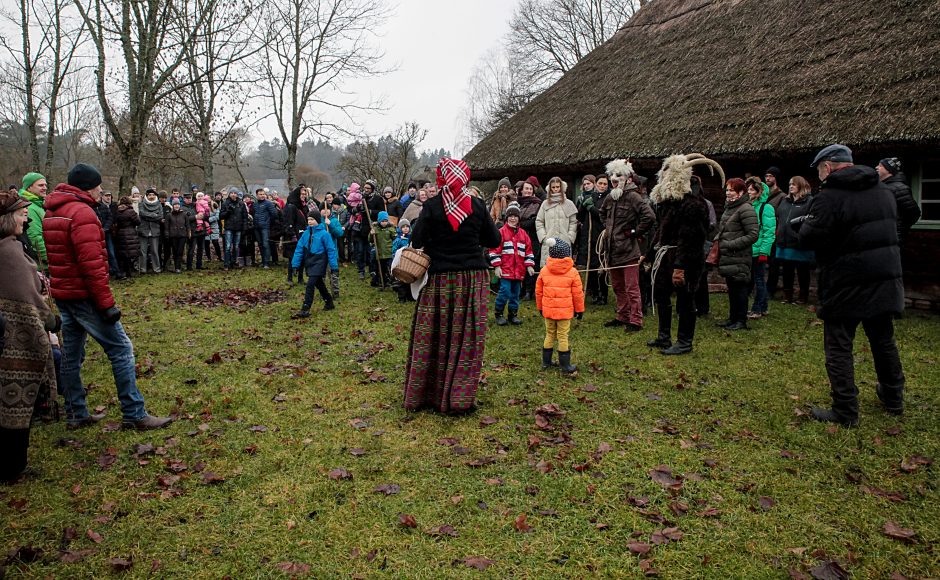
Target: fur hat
513, 209
558, 248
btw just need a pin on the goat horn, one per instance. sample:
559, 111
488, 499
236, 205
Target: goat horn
712, 165
693, 156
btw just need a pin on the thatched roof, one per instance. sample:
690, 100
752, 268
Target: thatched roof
735, 77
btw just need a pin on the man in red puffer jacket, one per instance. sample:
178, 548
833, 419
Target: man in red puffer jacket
78, 270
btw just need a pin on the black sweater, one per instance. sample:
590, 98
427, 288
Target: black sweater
452, 251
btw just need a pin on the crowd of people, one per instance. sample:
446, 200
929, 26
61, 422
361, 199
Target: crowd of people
524, 243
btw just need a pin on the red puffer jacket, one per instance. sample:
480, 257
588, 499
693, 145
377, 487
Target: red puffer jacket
78, 258
514, 254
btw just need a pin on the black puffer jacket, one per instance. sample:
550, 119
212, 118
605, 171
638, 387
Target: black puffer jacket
908, 210
737, 232
180, 224
126, 221
852, 226
452, 251
234, 214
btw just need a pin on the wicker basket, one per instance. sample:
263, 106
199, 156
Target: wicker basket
412, 265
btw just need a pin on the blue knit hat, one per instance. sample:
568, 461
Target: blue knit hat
558, 248
383, 216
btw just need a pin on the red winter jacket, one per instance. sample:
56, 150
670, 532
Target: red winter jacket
75, 249
514, 254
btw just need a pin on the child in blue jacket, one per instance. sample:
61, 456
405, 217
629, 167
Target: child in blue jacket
335, 227
401, 241
315, 250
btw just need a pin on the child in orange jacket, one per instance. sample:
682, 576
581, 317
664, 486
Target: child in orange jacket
559, 297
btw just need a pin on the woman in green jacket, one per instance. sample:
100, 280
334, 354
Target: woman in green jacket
758, 193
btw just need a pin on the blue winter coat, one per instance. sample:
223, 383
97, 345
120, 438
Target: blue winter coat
400, 242
265, 214
316, 242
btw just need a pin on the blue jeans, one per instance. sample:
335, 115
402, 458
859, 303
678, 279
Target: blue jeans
79, 319
112, 258
232, 239
508, 292
263, 237
759, 277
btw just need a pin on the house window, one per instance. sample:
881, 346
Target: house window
927, 193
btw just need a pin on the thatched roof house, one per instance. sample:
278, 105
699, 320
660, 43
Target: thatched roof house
749, 82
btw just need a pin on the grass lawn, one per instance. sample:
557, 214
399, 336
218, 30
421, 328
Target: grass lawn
292, 455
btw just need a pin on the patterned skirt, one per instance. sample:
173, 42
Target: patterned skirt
445, 355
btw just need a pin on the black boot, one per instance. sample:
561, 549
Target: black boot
329, 305
302, 313
547, 361
500, 319
680, 347
513, 318
564, 362
662, 340
830, 416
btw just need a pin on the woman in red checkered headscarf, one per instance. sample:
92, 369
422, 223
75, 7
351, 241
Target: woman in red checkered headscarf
445, 353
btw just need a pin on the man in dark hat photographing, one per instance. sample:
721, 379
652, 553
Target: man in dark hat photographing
852, 226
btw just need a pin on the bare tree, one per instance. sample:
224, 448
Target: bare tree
154, 38
548, 37
211, 103
45, 58
391, 161
495, 92
313, 52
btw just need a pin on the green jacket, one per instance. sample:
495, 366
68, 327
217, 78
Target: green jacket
384, 237
34, 230
767, 218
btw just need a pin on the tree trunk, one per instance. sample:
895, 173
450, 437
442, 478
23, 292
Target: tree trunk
290, 164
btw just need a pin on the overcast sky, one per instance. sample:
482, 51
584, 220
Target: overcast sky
435, 44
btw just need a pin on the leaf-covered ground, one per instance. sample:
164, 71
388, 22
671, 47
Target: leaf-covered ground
292, 455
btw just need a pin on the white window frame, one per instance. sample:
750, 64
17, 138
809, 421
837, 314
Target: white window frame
916, 189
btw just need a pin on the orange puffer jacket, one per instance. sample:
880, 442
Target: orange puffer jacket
558, 291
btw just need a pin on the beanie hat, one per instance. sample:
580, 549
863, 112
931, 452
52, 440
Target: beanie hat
383, 216
892, 164
775, 171
134, 190
558, 248
84, 177
403, 222
387, 190
504, 181
30, 178
534, 181
513, 209
373, 183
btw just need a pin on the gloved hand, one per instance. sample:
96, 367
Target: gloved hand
762, 259
578, 315
797, 222
530, 270
678, 277
498, 271
111, 315
588, 202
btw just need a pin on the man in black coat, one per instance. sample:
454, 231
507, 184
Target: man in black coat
234, 215
889, 171
852, 226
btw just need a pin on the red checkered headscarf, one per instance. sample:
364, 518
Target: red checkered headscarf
453, 175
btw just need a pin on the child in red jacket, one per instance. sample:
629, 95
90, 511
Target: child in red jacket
559, 297
511, 261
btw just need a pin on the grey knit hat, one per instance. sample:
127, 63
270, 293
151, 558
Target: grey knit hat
504, 181
513, 209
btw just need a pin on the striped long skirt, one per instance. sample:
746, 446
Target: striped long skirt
445, 355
